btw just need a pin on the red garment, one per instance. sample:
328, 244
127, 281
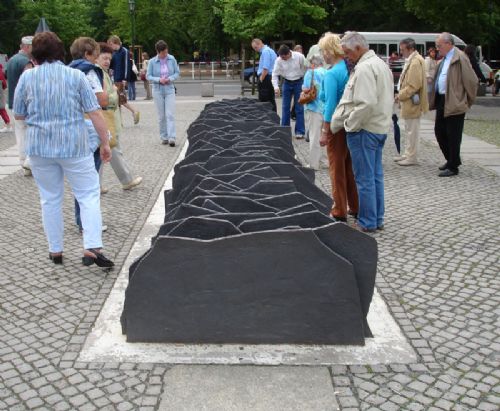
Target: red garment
2, 78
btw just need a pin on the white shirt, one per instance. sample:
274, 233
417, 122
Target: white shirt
291, 69
94, 81
443, 74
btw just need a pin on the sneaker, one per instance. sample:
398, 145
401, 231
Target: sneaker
6, 129
171, 143
27, 172
137, 117
299, 136
399, 158
407, 162
135, 182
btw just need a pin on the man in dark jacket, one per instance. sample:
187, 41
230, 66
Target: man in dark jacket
454, 92
120, 67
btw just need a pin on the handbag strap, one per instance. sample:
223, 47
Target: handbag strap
312, 78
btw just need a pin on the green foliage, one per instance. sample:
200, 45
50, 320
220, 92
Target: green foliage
69, 19
244, 19
474, 21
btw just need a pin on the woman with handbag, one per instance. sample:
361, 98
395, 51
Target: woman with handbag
112, 116
313, 108
344, 188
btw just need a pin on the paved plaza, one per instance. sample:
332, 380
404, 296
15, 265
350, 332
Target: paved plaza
438, 275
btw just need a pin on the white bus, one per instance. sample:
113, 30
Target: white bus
386, 43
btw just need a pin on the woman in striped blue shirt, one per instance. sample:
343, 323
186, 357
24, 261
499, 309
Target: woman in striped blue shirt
52, 99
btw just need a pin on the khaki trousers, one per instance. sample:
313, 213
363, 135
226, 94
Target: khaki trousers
412, 133
344, 188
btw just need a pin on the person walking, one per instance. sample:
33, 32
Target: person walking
454, 92
132, 77
344, 191
412, 96
120, 68
265, 71
163, 70
3, 112
291, 66
58, 145
144, 70
365, 111
113, 122
16, 65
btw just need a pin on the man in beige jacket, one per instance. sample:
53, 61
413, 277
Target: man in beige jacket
454, 92
412, 97
365, 111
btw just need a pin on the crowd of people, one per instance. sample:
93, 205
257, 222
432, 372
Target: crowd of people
342, 98
353, 106
79, 131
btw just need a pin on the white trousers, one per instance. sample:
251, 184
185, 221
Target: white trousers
83, 179
20, 131
314, 121
412, 133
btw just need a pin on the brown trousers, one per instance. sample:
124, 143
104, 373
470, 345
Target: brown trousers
344, 188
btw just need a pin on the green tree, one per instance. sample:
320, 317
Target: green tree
69, 19
474, 21
10, 31
244, 19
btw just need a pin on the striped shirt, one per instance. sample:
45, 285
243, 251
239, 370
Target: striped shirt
53, 99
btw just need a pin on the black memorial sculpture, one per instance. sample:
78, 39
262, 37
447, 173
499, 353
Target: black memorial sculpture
248, 252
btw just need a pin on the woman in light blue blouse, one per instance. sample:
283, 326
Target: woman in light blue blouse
341, 175
162, 72
58, 145
313, 111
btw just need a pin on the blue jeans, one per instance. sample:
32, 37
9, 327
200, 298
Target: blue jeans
366, 154
97, 164
292, 90
83, 179
164, 99
131, 90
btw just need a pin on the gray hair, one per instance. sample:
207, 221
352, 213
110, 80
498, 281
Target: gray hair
409, 43
353, 39
447, 38
316, 59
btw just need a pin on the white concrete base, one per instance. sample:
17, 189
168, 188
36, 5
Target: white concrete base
107, 344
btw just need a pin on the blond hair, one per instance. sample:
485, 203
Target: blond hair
330, 44
115, 40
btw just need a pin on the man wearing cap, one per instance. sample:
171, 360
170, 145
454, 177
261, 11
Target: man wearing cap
15, 67
290, 65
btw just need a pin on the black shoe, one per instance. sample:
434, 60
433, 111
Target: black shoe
443, 167
339, 219
56, 259
447, 173
99, 259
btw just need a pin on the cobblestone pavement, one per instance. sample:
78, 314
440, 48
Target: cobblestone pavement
438, 273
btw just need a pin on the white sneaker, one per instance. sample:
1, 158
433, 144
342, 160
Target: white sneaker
6, 129
399, 158
135, 182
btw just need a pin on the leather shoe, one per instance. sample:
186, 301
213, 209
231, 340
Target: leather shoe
56, 258
447, 173
443, 167
96, 257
